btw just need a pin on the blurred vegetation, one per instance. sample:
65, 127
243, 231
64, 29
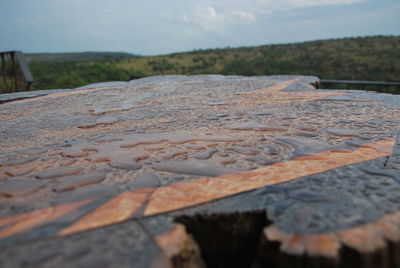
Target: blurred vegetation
79, 56
69, 74
363, 58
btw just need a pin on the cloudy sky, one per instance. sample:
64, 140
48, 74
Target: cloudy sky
151, 27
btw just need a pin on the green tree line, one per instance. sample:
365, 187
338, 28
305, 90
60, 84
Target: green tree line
362, 58
70, 74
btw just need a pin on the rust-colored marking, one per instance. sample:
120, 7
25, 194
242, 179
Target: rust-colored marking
120, 208
181, 195
322, 245
177, 243
282, 97
326, 245
388, 226
276, 87
366, 238
174, 241
363, 238
293, 245
27, 221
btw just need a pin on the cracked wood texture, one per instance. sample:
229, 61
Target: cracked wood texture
98, 176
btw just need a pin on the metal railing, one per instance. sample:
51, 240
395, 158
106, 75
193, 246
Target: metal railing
359, 84
15, 73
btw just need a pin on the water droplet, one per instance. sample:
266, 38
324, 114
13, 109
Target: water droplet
254, 126
144, 180
244, 150
79, 181
193, 167
206, 154
303, 146
343, 132
125, 165
14, 172
19, 187
59, 172
20, 161
271, 150
306, 133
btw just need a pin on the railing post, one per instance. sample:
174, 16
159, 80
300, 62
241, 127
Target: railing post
15, 73
3, 71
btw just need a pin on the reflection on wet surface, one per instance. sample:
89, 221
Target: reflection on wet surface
157, 132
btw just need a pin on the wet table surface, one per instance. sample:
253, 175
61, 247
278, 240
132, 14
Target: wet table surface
99, 176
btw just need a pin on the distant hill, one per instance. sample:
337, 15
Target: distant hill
78, 56
360, 58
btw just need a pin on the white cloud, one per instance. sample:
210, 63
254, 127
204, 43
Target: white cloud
159, 26
270, 6
245, 15
309, 3
216, 15
210, 19
207, 18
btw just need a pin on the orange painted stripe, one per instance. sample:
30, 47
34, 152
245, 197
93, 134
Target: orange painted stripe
12, 219
27, 221
118, 209
182, 195
276, 87
284, 97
